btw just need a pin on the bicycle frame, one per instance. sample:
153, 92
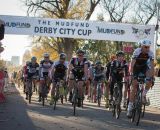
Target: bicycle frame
137, 110
99, 92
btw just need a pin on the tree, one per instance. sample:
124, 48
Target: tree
145, 11
26, 57
66, 9
116, 9
38, 51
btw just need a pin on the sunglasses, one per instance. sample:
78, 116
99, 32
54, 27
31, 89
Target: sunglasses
80, 55
46, 57
147, 47
62, 58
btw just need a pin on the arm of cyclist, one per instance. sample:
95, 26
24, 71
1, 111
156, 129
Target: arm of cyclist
70, 67
86, 70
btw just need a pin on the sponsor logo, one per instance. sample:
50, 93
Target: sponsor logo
141, 33
17, 25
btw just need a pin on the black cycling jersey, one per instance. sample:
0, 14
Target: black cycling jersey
32, 70
78, 69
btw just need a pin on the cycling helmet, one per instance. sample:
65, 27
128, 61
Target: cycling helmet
62, 56
98, 63
120, 53
33, 58
145, 42
45, 55
80, 51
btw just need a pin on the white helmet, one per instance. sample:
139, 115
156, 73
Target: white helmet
46, 55
145, 42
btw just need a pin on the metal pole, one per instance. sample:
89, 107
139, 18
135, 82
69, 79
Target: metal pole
156, 29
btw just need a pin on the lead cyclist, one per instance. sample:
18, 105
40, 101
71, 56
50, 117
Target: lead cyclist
142, 62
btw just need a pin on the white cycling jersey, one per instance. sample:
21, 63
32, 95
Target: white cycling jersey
138, 52
45, 67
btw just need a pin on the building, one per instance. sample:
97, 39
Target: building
15, 60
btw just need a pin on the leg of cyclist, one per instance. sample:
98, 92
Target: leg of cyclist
80, 92
124, 101
53, 92
40, 90
95, 91
148, 86
27, 88
113, 80
107, 94
133, 91
71, 83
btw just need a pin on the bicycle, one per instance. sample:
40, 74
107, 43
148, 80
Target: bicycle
99, 92
75, 96
137, 106
116, 102
29, 86
59, 92
44, 90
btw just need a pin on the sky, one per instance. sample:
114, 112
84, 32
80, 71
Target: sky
15, 45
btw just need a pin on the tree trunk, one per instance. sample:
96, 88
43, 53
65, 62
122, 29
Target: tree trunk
68, 47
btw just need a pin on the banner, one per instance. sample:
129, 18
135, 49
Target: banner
77, 29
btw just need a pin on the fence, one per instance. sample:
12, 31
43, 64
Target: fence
154, 94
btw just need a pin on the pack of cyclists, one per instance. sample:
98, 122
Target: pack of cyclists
81, 72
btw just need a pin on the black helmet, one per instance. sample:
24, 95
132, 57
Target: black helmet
98, 63
62, 56
80, 51
120, 53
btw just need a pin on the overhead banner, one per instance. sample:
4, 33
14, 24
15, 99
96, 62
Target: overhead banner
77, 29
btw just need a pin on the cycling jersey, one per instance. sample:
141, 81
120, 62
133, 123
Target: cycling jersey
60, 69
78, 70
32, 70
99, 73
45, 67
142, 61
108, 68
117, 67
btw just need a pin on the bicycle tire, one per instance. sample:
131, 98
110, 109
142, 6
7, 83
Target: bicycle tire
30, 92
113, 110
117, 111
43, 101
43, 96
74, 104
144, 107
139, 108
56, 98
133, 114
99, 96
62, 99
29, 99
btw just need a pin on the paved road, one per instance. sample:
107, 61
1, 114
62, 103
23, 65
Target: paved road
17, 114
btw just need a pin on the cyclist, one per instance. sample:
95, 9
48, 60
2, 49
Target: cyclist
142, 62
108, 69
78, 67
98, 76
91, 70
119, 69
44, 69
58, 72
24, 75
32, 72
